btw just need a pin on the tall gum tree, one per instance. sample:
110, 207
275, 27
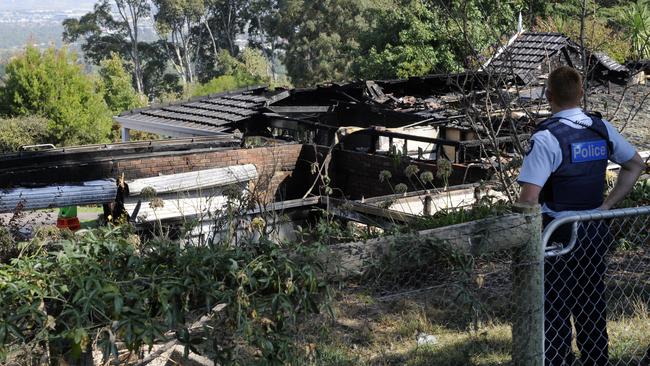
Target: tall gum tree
105, 33
175, 21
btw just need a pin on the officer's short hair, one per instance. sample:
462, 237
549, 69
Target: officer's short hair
565, 83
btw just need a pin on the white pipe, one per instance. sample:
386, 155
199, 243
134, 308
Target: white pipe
189, 181
91, 192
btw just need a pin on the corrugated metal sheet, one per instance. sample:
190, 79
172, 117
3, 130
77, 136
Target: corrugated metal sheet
92, 192
195, 180
453, 199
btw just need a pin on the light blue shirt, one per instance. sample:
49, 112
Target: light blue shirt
546, 155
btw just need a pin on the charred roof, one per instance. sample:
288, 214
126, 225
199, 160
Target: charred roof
527, 55
204, 116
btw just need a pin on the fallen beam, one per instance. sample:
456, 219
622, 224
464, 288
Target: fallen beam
477, 237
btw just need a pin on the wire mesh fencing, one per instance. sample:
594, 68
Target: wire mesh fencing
499, 291
466, 294
597, 289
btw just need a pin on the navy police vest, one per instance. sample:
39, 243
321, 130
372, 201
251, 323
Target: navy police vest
579, 181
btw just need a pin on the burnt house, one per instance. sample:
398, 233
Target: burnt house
420, 117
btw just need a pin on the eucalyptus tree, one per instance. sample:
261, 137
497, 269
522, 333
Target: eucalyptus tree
104, 33
319, 37
175, 21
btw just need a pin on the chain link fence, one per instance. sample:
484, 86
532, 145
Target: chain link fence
500, 292
597, 288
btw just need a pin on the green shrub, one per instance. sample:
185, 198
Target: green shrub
103, 285
8, 247
20, 131
640, 195
249, 69
51, 84
222, 84
597, 29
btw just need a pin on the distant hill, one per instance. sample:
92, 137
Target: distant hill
57, 5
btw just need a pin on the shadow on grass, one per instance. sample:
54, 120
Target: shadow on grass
476, 350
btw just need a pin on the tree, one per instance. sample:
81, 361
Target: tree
118, 91
320, 37
635, 19
405, 39
250, 68
175, 21
52, 85
104, 34
220, 25
228, 18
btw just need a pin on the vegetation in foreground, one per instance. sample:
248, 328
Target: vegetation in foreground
62, 296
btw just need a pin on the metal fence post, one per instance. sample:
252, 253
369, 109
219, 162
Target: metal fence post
528, 293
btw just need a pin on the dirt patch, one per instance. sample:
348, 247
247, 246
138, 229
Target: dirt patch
627, 108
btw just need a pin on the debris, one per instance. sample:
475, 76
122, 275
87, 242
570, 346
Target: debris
424, 339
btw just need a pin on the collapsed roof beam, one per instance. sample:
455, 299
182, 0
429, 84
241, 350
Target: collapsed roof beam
302, 109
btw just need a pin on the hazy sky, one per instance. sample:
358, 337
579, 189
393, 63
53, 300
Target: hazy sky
45, 4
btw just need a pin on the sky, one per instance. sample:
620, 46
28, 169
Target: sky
11, 5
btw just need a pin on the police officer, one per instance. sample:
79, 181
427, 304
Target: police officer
564, 170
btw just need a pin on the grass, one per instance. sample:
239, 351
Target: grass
370, 331
373, 330
385, 333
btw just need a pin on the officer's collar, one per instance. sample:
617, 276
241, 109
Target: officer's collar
566, 113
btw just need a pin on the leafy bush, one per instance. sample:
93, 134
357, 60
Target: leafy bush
51, 84
635, 19
640, 195
105, 286
599, 36
486, 207
8, 248
222, 84
17, 132
249, 69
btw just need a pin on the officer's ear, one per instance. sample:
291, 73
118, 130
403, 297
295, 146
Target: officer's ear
549, 95
581, 93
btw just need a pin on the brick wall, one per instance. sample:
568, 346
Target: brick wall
284, 170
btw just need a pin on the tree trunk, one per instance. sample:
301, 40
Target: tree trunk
585, 62
214, 43
137, 69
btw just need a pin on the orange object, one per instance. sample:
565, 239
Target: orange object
71, 223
